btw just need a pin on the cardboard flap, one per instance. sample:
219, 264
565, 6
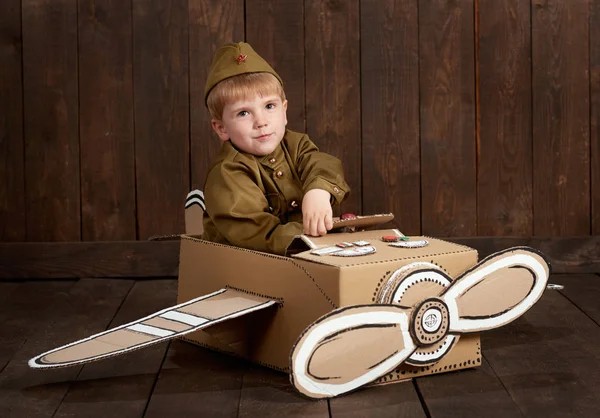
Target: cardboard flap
384, 251
363, 222
164, 325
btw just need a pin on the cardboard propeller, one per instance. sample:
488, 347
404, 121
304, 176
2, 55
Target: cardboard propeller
354, 345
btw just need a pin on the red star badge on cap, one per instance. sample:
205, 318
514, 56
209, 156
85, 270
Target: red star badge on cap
242, 58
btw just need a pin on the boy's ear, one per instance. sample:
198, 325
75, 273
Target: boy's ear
219, 128
285, 103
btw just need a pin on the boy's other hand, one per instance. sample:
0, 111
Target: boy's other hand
316, 212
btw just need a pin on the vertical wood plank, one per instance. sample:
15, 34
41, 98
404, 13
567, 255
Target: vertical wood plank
504, 202
447, 85
275, 29
51, 126
212, 24
160, 51
390, 112
332, 48
595, 112
106, 121
561, 193
12, 200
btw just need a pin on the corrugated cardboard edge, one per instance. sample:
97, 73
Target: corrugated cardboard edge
470, 345
323, 260
262, 254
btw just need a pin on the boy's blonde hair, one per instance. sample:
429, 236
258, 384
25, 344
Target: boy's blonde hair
242, 87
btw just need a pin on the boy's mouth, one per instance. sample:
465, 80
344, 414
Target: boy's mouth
263, 137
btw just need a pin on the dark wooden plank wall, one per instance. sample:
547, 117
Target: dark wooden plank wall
595, 112
464, 118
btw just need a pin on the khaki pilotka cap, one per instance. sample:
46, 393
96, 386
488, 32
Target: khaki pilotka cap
235, 59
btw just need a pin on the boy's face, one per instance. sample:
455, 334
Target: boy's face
254, 125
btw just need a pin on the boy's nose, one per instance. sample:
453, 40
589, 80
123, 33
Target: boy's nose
260, 121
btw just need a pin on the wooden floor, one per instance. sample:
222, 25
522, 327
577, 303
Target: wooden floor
546, 364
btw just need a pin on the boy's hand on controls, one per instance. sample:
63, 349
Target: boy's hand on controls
316, 212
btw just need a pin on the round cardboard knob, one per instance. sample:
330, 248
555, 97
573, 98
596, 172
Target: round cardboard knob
430, 322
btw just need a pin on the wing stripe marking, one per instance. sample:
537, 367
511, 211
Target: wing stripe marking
184, 318
150, 330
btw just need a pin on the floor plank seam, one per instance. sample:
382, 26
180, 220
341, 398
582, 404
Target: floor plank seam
13, 356
329, 408
579, 308
503, 385
59, 404
81, 368
156, 379
421, 398
241, 389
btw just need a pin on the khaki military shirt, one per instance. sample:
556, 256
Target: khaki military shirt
256, 202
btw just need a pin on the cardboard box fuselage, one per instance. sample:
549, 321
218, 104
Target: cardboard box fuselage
309, 286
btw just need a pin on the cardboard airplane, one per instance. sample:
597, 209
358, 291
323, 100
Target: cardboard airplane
357, 306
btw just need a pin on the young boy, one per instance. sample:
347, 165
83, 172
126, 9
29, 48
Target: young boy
268, 184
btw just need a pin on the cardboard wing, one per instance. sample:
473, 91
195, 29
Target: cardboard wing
193, 315
354, 345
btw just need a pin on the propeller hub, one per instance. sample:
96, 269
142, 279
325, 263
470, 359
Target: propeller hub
429, 323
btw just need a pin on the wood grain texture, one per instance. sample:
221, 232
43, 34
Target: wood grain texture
25, 309
566, 254
447, 108
106, 134
160, 62
268, 393
12, 181
504, 179
390, 115
51, 120
583, 291
121, 386
595, 112
161, 258
548, 359
195, 382
471, 392
275, 30
54, 260
560, 78
89, 308
392, 400
332, 44
212, 24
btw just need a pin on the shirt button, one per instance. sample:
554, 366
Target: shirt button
294, 204
272, 160
279, 174
336, 190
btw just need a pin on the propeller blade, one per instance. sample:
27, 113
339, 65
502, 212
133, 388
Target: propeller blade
350, 347
497, 290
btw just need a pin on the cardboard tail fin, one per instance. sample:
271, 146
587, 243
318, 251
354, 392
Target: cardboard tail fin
164, 325
194, 212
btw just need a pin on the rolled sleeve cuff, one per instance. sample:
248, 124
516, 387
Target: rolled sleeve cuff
338, 193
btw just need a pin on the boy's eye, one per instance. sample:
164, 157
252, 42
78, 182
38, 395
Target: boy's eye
270, 106
242, 113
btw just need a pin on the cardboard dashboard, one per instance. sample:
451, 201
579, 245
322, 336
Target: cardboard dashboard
352, 308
